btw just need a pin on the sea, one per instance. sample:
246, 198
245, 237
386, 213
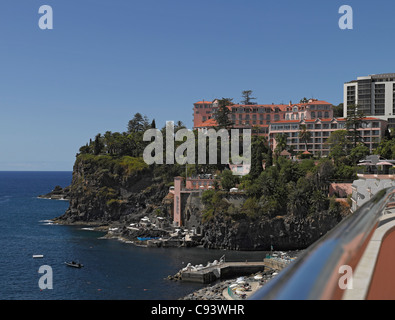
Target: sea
112, 270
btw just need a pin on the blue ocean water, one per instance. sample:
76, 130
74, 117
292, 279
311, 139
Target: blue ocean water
112, 270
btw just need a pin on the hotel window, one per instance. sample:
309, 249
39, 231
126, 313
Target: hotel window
319, 114
276, 117
313, 115
326, 114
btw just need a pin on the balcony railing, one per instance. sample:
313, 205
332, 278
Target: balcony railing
315, 274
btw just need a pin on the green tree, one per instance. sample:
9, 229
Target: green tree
354, 122
339, 144
258, 149
139, 123
359, 152
338, 111
98, 144
281, 139
269, 158
246, 95
222, 115
228, 180
386, 148
304, 135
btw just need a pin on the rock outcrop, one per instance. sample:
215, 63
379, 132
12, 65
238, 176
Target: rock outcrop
281, 233
102, 193
58, 193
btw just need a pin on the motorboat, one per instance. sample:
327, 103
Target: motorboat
74, 264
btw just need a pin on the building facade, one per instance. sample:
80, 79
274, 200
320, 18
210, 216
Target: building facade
374, 95
270, 120
259, 117
371, 133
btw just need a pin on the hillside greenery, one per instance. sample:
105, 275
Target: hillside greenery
283, 187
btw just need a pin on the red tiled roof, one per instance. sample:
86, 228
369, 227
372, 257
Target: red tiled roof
208, 123
203, 102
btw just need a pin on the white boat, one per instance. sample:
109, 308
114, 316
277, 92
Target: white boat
38, 256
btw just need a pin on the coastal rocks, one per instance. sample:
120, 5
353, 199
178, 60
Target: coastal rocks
102, 194
58, 193
220, 290
282, 232
214, 292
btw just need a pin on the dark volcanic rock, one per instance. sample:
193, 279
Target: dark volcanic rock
58, 193
283, 232
100, 194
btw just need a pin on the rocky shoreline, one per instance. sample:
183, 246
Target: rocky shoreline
219, 291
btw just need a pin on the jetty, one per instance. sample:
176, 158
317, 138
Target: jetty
226, 270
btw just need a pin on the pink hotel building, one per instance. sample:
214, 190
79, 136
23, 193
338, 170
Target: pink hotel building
270, 120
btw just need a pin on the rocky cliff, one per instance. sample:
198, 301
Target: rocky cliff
282, 232
108, 191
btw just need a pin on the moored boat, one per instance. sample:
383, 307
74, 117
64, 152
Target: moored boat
74, 264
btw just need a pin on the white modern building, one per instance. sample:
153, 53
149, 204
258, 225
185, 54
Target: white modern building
374, 95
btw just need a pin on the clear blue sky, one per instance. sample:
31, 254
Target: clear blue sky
105, 60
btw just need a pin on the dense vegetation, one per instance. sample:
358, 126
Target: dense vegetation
281, 187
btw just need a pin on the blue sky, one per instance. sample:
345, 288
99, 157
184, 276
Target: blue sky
106, 60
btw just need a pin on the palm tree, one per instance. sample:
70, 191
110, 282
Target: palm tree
304, 134
281, 140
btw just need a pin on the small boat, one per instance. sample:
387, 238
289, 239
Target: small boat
35, 256
74, 264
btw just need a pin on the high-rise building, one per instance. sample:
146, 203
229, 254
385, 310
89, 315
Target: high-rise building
374, 95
